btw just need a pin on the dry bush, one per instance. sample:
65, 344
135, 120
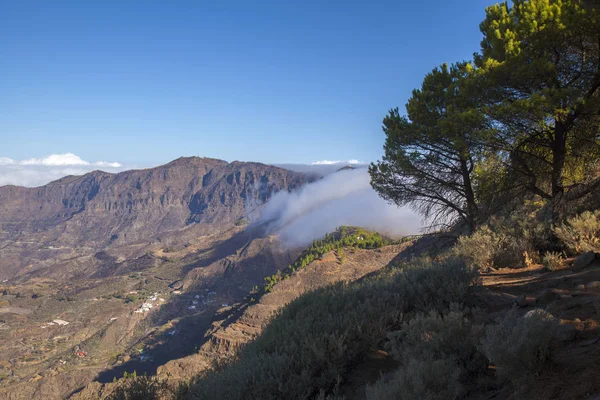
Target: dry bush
519, 346
438, 352
425, 379
513, 242
142, 388
479, 249
581, 233
435, 284
553, 261
435, 335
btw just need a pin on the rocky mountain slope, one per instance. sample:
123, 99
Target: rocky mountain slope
236, 324
82, 214
148, 271
105, 272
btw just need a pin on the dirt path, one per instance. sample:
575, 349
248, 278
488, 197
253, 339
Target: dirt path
574, 299
15, 310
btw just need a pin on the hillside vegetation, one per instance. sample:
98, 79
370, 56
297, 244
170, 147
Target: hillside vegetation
343, 237
312, 343
500, 154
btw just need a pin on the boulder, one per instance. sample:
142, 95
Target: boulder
593, 285
492, 299
584, 260
547, 297
526, 301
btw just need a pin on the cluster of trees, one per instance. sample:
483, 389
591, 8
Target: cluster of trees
521, 118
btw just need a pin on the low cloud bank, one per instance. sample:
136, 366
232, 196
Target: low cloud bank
341, 198
328, 162
39, 171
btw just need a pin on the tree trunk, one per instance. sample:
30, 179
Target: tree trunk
471, 210
559, 153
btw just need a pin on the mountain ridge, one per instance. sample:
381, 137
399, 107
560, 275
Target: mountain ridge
101, 209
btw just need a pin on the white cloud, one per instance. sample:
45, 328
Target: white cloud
62, 160
39, 171
329, 162
6, 161
342, 198
56, 160
108, 164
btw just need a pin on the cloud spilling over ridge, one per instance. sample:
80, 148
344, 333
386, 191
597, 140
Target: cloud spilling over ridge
322, 168
342, 198
39, 171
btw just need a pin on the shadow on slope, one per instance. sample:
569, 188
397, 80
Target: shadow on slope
223, 275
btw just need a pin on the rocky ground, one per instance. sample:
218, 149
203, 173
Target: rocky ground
571, 296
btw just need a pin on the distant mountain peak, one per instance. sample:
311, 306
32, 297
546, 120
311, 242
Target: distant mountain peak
106, 209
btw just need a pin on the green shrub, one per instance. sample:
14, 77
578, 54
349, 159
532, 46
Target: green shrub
480, 249
553, 260
436, 284
512, 242
437, 351
242, 222
581, 233
519, 346
142, 388
131, 298
425, 379
447, 335
309, 346
341, 256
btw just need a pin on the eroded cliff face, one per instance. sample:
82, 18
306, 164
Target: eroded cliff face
90, 251
80, 215
122, 207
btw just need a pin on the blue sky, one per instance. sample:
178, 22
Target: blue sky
144, 82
